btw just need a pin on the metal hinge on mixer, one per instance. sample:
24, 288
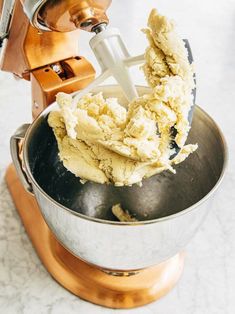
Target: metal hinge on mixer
67, 75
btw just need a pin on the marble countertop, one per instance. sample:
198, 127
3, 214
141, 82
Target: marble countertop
208, 282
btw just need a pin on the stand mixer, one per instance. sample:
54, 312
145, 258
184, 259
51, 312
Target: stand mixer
44, 52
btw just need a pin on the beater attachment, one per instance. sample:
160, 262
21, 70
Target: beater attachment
114, 60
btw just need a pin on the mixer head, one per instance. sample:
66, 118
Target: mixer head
59, 15
66, 15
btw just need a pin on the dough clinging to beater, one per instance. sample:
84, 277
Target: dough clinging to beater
102, 141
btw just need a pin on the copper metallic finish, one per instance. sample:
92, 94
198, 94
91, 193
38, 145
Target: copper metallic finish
1, 3
28, 49
82, 279
46, 83
65, 16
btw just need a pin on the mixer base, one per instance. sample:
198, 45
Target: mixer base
106, 288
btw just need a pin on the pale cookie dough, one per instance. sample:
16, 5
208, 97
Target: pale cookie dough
167, 64
102, 141
121, 214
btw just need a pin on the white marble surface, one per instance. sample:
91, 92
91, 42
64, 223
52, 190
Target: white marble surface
208, 282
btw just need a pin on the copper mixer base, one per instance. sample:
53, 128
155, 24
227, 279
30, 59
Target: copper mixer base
86, 281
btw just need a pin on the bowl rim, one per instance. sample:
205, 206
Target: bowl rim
32, 180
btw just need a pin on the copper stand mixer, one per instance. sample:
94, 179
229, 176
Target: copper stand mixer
44, 52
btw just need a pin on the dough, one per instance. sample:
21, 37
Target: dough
102, 141
121, 214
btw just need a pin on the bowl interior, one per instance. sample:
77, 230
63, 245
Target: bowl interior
161, 195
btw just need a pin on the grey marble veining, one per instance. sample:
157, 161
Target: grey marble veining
208, 282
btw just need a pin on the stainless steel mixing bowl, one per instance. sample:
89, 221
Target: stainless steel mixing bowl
80, 216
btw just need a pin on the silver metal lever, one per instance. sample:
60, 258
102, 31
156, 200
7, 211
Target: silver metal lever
5, 22
6, 15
